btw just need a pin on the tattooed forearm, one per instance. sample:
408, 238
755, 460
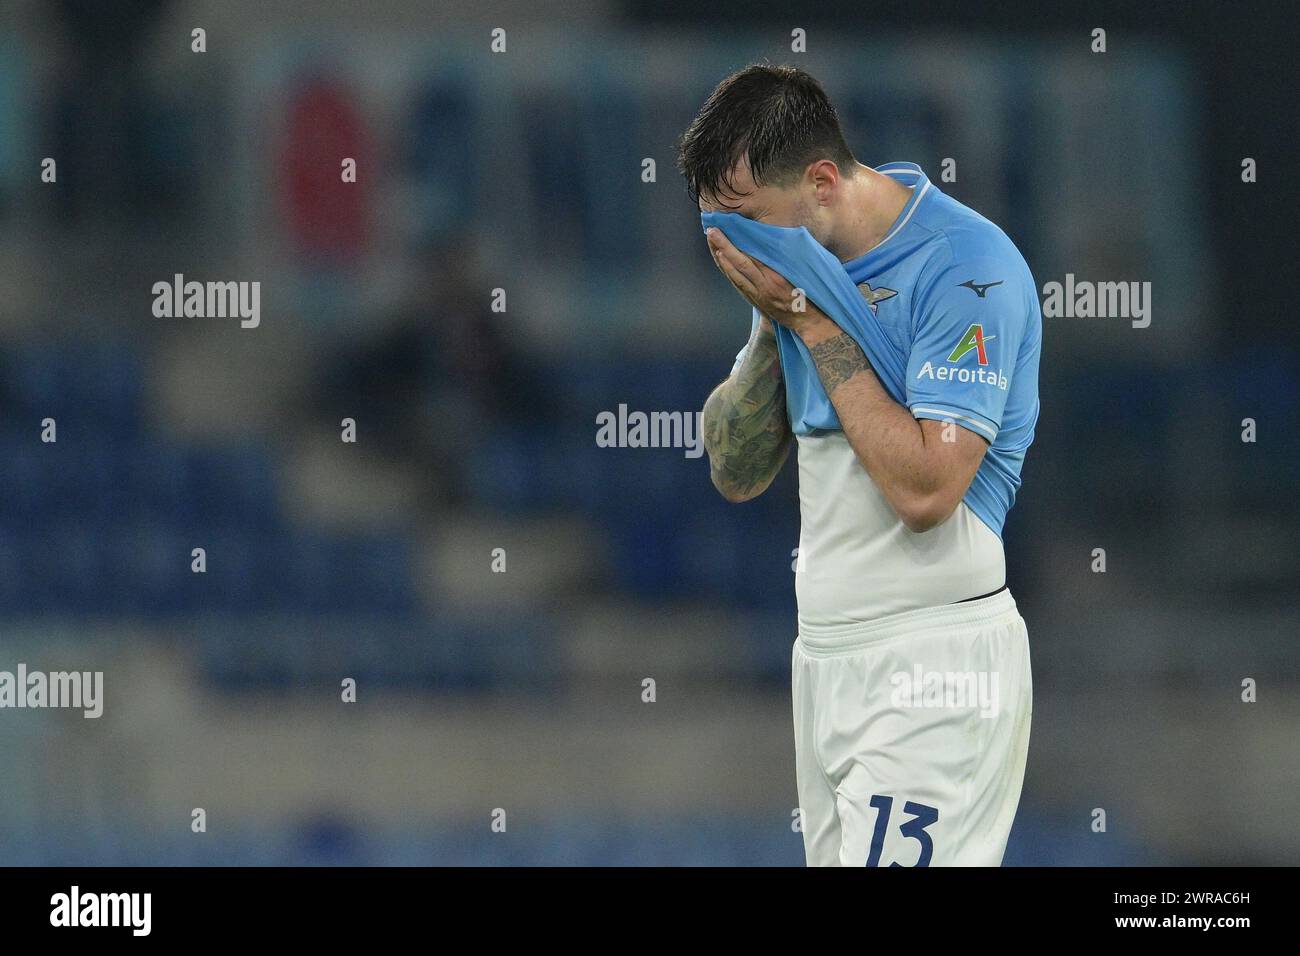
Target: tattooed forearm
746, 432
838, 359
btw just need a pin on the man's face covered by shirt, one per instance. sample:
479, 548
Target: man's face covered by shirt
789, 205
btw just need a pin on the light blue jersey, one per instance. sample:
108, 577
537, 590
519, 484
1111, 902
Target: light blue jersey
946, 310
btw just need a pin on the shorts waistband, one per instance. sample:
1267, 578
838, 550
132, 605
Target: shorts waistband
927, 620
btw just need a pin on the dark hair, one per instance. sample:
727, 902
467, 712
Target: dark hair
778, 116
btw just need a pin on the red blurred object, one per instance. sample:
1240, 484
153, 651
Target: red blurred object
326, 216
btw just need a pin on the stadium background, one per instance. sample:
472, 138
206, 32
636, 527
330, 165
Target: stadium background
476, 430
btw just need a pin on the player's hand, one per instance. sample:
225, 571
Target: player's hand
765, 289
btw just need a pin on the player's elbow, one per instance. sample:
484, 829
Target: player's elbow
738, 497
920, 521
735, 493
924, 512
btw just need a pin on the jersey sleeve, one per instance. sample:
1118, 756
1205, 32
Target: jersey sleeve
969, 323
740, 356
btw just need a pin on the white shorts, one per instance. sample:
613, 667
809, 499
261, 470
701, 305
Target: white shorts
911, 734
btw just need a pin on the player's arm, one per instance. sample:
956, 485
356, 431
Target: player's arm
922, 476
922, 467
746, 431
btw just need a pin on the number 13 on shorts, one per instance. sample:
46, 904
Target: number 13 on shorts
911, 824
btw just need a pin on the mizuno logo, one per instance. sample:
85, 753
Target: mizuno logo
978, 289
